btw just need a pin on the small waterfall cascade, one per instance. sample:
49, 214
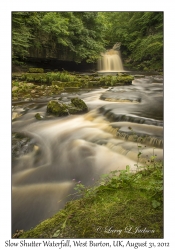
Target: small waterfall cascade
110, 62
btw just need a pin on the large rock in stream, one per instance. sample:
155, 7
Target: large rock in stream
76, 106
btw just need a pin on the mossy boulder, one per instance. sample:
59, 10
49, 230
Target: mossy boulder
61, 109
80, 104
57, 108
38, 116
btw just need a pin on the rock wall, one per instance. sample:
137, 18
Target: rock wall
59, 65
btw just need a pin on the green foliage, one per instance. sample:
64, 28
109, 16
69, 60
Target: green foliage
36, 70
77, 35
140, 33
21, 35
65, 79
81, 36
48, 78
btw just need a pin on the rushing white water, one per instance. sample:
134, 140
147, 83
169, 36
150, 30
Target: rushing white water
70, 149
110, 62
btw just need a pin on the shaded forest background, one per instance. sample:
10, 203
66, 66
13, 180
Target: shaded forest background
81, 37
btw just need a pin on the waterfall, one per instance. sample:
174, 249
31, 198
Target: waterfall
110, 62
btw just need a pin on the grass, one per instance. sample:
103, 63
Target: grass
65, 78
122, 205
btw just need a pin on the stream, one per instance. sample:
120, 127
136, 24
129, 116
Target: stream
51, 155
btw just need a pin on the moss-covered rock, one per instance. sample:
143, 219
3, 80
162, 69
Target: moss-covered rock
57, 108
38, 116
60, 109
80, 104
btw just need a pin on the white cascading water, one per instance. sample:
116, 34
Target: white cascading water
110, 62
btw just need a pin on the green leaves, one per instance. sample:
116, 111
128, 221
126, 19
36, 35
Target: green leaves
23, 35
140, 33
72, 35
84, 35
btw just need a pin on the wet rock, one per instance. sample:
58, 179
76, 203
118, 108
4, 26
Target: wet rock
38, 116
139, 76
57, 108
21, 145
80, 104
61, 109
15, 115
121, 96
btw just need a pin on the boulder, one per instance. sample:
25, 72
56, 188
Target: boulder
57, 108
80, 104
61, 109
38, 116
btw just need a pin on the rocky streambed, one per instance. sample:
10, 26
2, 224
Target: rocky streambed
53, 152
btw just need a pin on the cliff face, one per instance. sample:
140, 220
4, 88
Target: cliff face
53, 59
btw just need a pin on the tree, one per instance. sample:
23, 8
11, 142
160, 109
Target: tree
21, 35
140, 34
74, 34
79, 36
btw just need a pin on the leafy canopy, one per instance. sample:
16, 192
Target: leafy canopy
81, 36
